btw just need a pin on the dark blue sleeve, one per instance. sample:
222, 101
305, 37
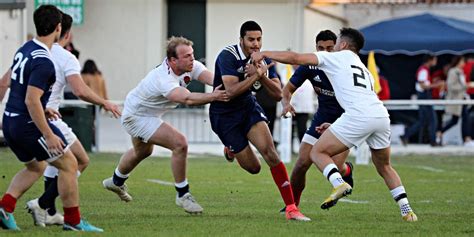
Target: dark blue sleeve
42, 70
300, 75
227, 64
272, 70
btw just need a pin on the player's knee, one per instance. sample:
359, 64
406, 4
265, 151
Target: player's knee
181, 145
143, 153
37, 168
83, 163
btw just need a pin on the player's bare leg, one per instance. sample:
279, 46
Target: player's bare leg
169, 137
259, 135
129, 160
328, 146
302, 165
248, 160
381, 159
47, 200
80, 154
22, 181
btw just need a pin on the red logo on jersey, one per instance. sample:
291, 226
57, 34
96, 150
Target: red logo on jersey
187, 79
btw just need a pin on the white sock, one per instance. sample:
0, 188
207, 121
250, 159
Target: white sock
51, 171
335, 178
182, 184
400, 196
117, 172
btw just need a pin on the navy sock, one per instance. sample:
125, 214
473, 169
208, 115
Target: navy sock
47, 200
118, 180
182, 191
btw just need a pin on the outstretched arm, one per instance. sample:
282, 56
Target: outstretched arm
184, 96
81, 90
206, 77
287, 57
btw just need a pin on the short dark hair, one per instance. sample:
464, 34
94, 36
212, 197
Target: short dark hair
46, 18
66, 24
249, 26
353, 37
325, 35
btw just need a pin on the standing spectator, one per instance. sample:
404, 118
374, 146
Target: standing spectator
93, 78
439, 76
426, 113
468, 71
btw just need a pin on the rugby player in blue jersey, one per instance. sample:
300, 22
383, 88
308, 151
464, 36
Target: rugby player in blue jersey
241, 119
28, 133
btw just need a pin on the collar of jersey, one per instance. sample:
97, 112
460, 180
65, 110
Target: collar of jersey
241, 52
41, 44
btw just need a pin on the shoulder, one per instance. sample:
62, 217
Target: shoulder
229, 53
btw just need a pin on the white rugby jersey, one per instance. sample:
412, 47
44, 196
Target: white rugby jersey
149, 97
352, 83
65, 64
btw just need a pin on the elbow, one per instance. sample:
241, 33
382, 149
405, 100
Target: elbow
278, 98
80, 93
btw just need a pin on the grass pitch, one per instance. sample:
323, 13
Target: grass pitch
236, 203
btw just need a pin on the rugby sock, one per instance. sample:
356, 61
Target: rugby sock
280, 176
8, 203
72, 215
347, 170
119, 178
332, 174
400, 196
182, 188
47, 200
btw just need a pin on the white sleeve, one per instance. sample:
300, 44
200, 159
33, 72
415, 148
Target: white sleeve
324, 58
422, 77
72, 66
198, 68
167, 85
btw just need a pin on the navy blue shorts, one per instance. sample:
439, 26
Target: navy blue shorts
26, 140
232, 127
318, 119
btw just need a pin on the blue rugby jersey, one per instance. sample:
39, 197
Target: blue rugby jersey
32, 66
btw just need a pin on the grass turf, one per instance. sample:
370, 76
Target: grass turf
239, 204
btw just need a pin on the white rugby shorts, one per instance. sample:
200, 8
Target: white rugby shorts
353, 131
141, 127
65, 130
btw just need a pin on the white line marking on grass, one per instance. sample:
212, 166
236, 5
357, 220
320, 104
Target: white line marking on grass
160, 182
353, 201
430, 169
425, 201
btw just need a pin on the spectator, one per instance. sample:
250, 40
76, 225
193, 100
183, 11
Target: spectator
439, 76
93, 78
468, 71
426, 112
456, 85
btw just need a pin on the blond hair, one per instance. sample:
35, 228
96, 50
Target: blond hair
173, 43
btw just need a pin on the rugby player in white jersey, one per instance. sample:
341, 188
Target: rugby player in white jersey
160, 91
68, 71
365, 118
